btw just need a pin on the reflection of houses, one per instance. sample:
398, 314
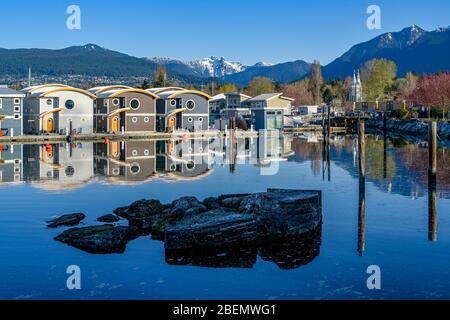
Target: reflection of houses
228, 105
10, 163
182, 110
120, 108
11, 103
59, 166
58, 109
183, 160
126, 161
269, 110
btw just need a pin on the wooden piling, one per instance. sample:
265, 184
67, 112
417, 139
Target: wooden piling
362, 220
432, 148
432, 213
329, 121
362, 149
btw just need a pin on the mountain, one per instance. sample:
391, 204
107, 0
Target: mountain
281, 73
412, 49
208, 67
89, 60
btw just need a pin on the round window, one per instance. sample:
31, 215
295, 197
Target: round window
146, 119
146, 152
135, 168
135, 153
173, 103
200, 119
135, 120
190, 119
70, 171
135, 104
70, 104
116, 102
190, 165
49, 102
190, 104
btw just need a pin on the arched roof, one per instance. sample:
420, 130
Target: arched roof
116, 93
49, 92
30, 90
195, 92
161, 90
98, 90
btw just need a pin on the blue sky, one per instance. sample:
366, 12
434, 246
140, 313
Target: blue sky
248, 30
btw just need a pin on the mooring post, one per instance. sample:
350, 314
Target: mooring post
432, 213
362, 150
432, 148
362, 222
329, 121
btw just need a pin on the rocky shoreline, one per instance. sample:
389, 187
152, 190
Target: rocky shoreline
283, 226
414, 129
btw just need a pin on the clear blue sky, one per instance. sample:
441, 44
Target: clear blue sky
247, 30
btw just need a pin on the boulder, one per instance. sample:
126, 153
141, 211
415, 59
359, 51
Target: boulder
186, 206
68, 220
142, 214
99, 239
216, 228
109, 218
212, 203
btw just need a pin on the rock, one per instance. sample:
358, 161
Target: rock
212, 203
68, 220
187, 205
109, 218
143, 213
99, 239
216, 228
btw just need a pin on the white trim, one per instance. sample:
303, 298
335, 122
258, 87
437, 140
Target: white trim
130, 114
196, 115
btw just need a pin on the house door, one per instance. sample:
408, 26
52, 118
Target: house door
172, 124
115, 124
50, 125
114, 149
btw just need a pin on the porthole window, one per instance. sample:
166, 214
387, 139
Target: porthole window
49, 102
190, 119
200, 119
190, 165
135, 168
173, 103
70, 104
135, 104
146, 152
116, 171
146, 119
135, 153
135, 119
116, 102
70, 171
190, 150
190, 105
200, 149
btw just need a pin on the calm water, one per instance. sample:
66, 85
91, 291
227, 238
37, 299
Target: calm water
39, 182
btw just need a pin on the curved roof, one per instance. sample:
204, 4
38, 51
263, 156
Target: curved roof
174, 94
118, 92
30, 90
161, 90
98, 90
46, 93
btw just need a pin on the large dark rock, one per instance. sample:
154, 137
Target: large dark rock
68, 220
216, 228
143, 213
109, 218
186, 206
99, 239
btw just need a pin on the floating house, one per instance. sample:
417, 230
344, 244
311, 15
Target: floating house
10, 164
229, 105
182, 110
269, 110
11, 104
57, 109
125, 162
124, 109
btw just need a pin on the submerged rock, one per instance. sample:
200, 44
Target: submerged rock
99, 239
67, 220
109, 218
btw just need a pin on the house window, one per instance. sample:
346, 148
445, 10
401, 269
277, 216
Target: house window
146, 119
190, 105
173, 103
16, 101
190, 165
16, 108
200, 119
135, 168
135, 104
49, 102
17, 116
134, 119
116, 102
190, 119
70, 104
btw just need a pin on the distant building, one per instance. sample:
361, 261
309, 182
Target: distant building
228, 105
182, 110
269, 110
55, 108
356, 92
307, 110
11, 107
123, 108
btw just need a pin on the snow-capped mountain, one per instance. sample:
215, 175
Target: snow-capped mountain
207, 67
